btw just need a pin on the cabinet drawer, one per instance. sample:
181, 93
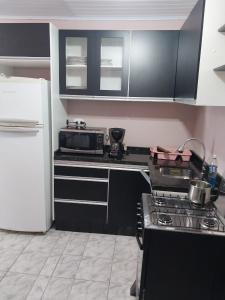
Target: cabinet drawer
80, 217
81, 172
76, 189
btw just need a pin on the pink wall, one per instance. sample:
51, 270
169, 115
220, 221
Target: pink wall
32, 72
210, 128
146, 124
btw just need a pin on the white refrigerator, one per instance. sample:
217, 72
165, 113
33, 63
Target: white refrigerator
25, 154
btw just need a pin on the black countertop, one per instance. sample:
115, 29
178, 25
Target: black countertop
140, 157
130, 158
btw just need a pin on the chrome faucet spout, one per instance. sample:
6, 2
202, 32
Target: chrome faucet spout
181, 149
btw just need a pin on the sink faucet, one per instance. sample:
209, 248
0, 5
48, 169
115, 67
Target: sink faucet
181, 149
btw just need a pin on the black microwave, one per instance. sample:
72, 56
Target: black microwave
87, 141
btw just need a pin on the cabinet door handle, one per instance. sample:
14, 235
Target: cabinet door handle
76, 178
85, 202
139, 242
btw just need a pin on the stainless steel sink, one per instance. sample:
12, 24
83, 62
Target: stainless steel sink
173, 172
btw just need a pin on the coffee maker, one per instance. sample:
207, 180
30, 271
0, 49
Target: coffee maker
116, 136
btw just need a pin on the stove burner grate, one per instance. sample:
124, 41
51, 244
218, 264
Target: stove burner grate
209, 223
159, 201
164, 219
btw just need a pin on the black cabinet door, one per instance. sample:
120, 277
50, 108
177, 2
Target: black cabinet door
112, 63
31, 40
81, 190
189, 53
80, 217
184, 266
125, 189
153, 63
93, 62
77, 62
81, 171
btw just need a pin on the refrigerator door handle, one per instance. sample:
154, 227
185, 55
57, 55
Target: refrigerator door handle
19, 129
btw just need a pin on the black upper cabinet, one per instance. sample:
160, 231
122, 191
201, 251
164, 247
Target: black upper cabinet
189, 53
153, 63
31, 40
104, 63
93, 62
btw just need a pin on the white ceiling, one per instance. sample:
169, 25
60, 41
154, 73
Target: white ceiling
96, 9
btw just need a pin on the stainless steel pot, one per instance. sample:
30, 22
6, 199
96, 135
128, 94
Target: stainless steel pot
199, 192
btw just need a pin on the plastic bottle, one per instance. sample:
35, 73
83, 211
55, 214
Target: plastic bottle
213, 171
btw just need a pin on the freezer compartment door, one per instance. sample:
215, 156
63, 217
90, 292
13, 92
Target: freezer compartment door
22, 181
23, 100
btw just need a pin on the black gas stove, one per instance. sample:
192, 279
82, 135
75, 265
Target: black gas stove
181, 249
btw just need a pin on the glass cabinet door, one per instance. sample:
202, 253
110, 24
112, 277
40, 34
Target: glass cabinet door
113, 63
76, 63
93, 62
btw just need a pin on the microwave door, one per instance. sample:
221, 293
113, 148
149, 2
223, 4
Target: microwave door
76, 142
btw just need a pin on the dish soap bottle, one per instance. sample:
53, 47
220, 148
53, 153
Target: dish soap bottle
213, 172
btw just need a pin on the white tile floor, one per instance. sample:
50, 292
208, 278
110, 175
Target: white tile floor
66, 265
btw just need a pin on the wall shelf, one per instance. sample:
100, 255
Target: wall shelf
109, 67
221, 68
76, 66
115, 98
20, 61
222, 28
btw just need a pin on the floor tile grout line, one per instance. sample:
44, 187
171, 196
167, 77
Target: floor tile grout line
82, 256
111, 268
37, 275
61, 253
8, 269
49, 277
3, 276
70, 290
18, 273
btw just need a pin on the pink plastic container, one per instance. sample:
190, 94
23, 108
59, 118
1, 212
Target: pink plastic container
185, 155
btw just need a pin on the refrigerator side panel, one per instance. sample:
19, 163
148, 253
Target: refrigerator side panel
47, 151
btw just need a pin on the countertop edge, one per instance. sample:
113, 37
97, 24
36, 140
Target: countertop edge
112, 166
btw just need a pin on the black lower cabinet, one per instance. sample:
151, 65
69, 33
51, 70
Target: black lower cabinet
125, 189
183, 266
101, 205
80, 217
